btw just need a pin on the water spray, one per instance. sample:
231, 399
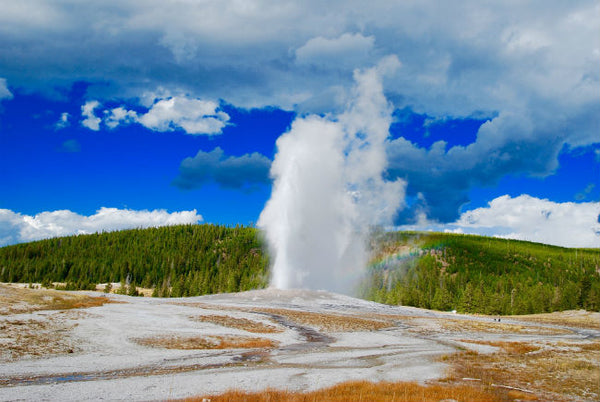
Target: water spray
328, 190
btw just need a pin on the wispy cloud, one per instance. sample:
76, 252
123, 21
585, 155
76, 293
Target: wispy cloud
4, 91
585, 193
70, 146
63, 121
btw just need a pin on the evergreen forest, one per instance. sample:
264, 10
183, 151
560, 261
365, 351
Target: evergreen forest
177, 261
478, 274
431, 270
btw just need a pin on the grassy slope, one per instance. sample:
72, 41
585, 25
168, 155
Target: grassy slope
431, 270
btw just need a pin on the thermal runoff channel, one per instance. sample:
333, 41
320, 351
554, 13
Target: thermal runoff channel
328, 190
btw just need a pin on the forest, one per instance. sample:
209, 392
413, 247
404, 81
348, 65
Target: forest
477, 274
431, 270
176, 261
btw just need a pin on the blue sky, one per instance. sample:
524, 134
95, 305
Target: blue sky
125, 114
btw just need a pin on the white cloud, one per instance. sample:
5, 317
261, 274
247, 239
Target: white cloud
528, 218
530, 66
347, 51
194, 116
91, 121
119, 115
16, 227
4, 91
459, 58
63, 121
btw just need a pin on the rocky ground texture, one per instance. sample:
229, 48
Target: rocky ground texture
90, 346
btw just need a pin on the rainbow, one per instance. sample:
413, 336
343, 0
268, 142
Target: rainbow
389, 261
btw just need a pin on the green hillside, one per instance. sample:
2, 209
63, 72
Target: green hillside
430, 270
177, 261
480, 274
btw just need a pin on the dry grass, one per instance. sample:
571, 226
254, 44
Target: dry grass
363, 391
146, 292
206, 342
34, 338
518, 348
256, 327
453, 325
573, 318
17, 300
560, 371
330, 322
38, 336
322, 321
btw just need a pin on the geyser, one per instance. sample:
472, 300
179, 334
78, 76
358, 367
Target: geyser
328, 190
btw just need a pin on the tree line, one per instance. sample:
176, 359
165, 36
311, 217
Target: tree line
430, 270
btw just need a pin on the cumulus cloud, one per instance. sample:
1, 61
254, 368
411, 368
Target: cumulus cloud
4, 91
193, 116
17, 228
528, 218
510, 143
458, 58
119, 115
530, 67
238, 172
90, 120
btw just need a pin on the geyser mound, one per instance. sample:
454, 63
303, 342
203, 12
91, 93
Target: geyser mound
329, 190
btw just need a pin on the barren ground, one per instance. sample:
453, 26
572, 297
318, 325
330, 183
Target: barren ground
89, 346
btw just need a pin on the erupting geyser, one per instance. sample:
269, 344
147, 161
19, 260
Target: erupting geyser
328, 190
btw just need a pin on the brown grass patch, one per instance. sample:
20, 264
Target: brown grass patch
492, 327
362, 391
17, 300
330, 322
206, 342
573, 318
509, 347
555, 372
321, 320
34, 338
239, 323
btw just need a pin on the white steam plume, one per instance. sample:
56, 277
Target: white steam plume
328, 190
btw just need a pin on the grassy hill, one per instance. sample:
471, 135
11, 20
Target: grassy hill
481, 274
430, 270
